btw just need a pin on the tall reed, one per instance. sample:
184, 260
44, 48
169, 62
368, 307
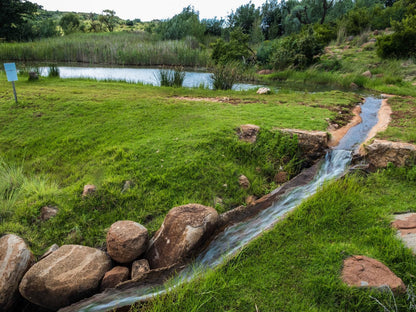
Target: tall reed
122, 48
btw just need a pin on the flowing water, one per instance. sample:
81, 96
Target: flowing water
235, 237
138, 75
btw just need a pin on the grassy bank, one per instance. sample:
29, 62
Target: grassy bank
342, 66
296, 266
119, 48
64, 134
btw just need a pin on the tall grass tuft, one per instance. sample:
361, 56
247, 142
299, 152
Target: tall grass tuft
224, 76
171, 78
53, 71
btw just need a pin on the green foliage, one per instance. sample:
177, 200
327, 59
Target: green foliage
14, 16
297, 51
109, 19
236, 50
244, 18
225, 75
121, 48
181, 25
70, 23
400, 44
213, 26
264, 52
171, 78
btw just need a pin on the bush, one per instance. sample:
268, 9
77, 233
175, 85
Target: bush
224, 76
400, 44
264, 52
297, 51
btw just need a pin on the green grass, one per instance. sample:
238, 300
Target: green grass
75, 132
296, 266
403, 120
118, 48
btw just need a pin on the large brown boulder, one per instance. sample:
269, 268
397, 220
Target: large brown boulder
126, 241
362, 271
380, 152
184, 229
15, 260
66, 276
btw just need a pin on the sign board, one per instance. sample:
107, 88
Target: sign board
10, 71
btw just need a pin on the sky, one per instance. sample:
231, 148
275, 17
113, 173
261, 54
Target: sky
147, 10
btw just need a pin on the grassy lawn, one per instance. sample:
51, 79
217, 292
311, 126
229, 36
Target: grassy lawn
64, 134
296, 266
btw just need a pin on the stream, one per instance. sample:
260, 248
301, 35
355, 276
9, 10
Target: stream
229, 242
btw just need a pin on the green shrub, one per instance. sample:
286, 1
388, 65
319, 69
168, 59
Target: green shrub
236, 50
54, 71
264, 52
224, 76
400, 44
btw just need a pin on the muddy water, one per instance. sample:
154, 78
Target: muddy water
235, 237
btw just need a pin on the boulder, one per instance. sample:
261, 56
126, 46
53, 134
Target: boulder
248, 133
66, 276
184, 229
15, 260
250, 200
380, 152
114, 277
126, 241
354, 86
48, 212
313, 144
89, 189
243, 182
362, 271
50, 250
139, 267
264, 90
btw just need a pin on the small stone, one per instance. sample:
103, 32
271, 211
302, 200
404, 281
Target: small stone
48, 212
139, 267
367, 74
89, 189
265, 72
353, 86
243, 182
114, 277
127, 185
250, 200
264, 90
218, 201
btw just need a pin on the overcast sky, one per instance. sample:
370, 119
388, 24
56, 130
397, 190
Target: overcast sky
149, 9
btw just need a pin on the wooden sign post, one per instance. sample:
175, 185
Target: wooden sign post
11, 74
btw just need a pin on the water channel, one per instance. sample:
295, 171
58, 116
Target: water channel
138, 75
234, 238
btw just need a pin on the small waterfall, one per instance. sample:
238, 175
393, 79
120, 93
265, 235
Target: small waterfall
234, 238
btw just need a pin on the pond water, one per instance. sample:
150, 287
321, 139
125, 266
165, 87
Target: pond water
138, 75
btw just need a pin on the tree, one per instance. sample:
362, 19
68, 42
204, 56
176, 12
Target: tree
244, 17
109, 19
70, 23
14, 16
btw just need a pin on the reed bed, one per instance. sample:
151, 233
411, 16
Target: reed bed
138, 49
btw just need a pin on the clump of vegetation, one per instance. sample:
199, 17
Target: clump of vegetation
224, 76
171, 78
53, 71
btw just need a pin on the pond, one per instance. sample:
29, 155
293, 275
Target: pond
139, 75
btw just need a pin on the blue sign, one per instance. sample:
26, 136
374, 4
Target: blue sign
10, 71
